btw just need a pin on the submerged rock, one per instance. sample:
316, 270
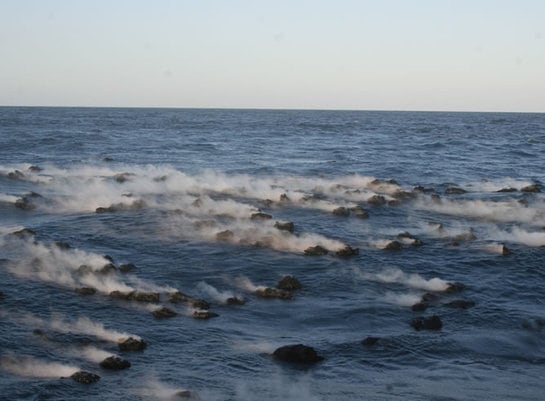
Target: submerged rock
376, 200
226, 235
455, 191
369, 341
419, 307
204, 314
35, 169
24, 233
289, 283
16, 175
235, 301
316, 251
178, 296
62, 245
297, 353
269, 292
347, 251
531, 188
427, 323
260, 216
115, 363
285, 226
132, 344
85, 291
392, 246
453, 288
507, 189
85, 377
24, 204
163, 313
341, 211
460, 304
126, 267
359, 212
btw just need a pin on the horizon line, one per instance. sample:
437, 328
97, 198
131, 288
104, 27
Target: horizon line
270, 109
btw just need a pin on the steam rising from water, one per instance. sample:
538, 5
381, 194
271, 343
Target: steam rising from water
214, 293
410, 280
33, 367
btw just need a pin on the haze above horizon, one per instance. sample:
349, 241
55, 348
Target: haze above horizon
359, 55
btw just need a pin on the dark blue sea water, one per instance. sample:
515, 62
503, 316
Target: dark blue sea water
154, 187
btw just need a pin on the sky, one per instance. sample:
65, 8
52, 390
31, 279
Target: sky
463, 55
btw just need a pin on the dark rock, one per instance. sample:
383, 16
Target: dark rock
341, 211
392, 246
122, 177
285, 226
24, 233
269, 292
178, 296
455, 191
460, 304
430, 297
377, 200
161, 178
403, 195
378, 181
138, 296
235, 301
2, 295
468, 236
505, 251
24, 204
117, 207
39, 332
435, 198
419, 307
407, 236
427, 323
284, 198
534, 324
34, 195
204, 224
368, 341
197, 202
531, 188
185, 394
453, 288
16, 175
422, 189
297, 353
101, 210
163, 313
85, 291
204, 314
289, 283
316, 251
107, 159
347, 251
62, 245
108, 258
35, 169
508, 189
132, 344
226, 235
126, 267
85, 377
107, 269
266, 202
115, 363
359, 212
260, 216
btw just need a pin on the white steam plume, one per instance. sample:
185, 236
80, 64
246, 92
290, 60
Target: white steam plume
33, 367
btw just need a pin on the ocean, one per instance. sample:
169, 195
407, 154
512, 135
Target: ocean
169, 225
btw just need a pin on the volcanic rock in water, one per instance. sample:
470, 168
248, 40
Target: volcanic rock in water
163, 313
115, 363
178, 296
376, 200
341, 211
204, 314
16, 175
183, 394
289, 283
297, 353
122, 177
132, 344
107, 269
35, 169
126, 267
435, 198
427, 323
409, 236
138, 296
401, 195
24, 233
419, 307
260, 216
393, 246
269, 292
235, 301
62, 245
504, 250
453, 288
316, 251
359, 212
429, 297
467, 236
85, 291
531, 188
460, 304
347, 251
368, 341
24, 204
455, 191
285, 226
508, 189
226, 235
284, 198
85, 377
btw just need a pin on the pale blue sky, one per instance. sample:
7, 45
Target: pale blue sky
479, 55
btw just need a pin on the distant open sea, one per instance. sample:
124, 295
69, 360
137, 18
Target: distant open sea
127, 210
